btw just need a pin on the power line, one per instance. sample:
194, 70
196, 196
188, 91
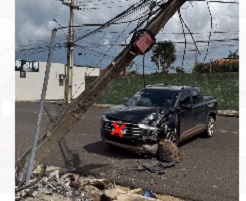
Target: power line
230, 2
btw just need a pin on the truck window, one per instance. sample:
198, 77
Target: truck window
196, 96
153, 98
185, 98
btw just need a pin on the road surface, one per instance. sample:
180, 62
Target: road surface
209, 169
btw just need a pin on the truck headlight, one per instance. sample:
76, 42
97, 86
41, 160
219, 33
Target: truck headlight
147, 127
152, 116
152, 119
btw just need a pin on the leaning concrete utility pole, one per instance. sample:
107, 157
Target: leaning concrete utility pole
73, 112
69, 70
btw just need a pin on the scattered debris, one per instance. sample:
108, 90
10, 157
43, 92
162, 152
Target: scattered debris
168, 154
155, 166
149, 194
70, 186
40, 176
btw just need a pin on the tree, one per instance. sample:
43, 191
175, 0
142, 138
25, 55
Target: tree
163, 55
132, 72
233, 55
180, 69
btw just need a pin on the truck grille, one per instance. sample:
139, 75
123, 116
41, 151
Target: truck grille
132, 129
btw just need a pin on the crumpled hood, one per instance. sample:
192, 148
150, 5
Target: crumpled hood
132, 113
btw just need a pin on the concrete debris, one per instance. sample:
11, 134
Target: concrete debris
70, 186
50, 169
112, 194
32, 193
93, 192
53, 184
136, 191
54, 175
99, 183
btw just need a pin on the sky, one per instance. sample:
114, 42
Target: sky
34, 23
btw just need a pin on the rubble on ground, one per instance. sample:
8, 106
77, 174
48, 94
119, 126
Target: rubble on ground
155, 166
56, 185
168, 156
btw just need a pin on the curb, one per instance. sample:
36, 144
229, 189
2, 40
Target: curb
228, 113
103, 105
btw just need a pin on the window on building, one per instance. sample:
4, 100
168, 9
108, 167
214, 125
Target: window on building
22, 74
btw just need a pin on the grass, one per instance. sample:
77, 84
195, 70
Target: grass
223, 86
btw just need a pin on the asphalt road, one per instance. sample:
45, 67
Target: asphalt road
209, 169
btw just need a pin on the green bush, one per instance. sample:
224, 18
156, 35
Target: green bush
217, 67
223, 86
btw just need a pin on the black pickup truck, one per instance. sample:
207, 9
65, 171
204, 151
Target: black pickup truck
156, 112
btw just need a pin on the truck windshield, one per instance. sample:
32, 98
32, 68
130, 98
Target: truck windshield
154, 98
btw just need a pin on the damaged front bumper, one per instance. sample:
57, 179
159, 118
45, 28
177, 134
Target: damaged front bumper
150, 149
141, 138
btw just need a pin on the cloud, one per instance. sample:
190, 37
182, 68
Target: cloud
34, 22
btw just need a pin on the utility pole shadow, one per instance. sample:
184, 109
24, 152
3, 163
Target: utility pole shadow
72, 160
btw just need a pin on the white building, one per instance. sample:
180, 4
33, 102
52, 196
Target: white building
28, 85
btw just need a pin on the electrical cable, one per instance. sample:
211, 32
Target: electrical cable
211, 20
143, 75
184, 36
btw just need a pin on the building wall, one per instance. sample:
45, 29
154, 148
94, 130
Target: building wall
79, 74
30, 88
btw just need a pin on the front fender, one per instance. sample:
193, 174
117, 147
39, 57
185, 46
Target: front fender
213, 113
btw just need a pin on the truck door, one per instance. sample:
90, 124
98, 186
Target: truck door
200, 110
187, 115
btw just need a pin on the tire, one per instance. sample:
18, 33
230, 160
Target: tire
210, 127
